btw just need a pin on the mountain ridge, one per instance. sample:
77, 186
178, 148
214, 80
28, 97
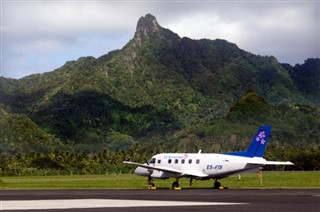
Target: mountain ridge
157, 86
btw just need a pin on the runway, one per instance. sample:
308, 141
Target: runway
162, 199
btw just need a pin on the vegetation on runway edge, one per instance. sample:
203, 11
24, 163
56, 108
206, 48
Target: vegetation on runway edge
130, 181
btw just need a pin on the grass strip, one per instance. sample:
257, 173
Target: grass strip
131, 181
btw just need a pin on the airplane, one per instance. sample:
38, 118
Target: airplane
205, 166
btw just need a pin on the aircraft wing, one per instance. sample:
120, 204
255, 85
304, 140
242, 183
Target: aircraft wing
193, 173
159, 168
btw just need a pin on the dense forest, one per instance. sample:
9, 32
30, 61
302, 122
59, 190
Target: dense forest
159, 93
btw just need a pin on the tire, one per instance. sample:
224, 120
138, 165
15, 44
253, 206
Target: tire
216, 185
175, 184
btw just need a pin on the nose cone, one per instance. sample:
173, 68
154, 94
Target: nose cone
141, 171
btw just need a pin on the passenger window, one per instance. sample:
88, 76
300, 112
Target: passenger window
176, 161
152, 161
190, 161
169, 161
197, 161
182, 161
159, 161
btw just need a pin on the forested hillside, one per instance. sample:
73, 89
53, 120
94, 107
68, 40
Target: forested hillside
160, 92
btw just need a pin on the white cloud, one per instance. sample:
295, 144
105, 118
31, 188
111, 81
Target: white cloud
208, 26
289, 31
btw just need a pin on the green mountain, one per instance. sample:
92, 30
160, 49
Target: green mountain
306, 78
20, 134
163, 90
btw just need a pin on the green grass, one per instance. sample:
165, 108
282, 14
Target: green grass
130, 181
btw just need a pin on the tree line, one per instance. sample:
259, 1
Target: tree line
107, 162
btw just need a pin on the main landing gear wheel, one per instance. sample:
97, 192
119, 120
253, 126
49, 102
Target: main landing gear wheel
175, 185
216, 185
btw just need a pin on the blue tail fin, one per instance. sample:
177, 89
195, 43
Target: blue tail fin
258, 144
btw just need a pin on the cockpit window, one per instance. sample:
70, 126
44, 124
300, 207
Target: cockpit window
152, 161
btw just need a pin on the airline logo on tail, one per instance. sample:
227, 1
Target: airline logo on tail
261, 137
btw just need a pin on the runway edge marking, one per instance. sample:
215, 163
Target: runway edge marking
98, 203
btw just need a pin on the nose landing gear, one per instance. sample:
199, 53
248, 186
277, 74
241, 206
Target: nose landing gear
151, 185
175, 185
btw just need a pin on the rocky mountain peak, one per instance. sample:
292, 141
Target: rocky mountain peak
148, 26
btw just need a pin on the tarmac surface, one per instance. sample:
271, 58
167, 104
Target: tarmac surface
161, 200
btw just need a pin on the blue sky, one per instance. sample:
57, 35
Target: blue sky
40, 36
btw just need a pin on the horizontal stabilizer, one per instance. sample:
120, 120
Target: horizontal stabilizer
279, 163
266, 163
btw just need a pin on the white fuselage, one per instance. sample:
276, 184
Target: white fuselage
205, 166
